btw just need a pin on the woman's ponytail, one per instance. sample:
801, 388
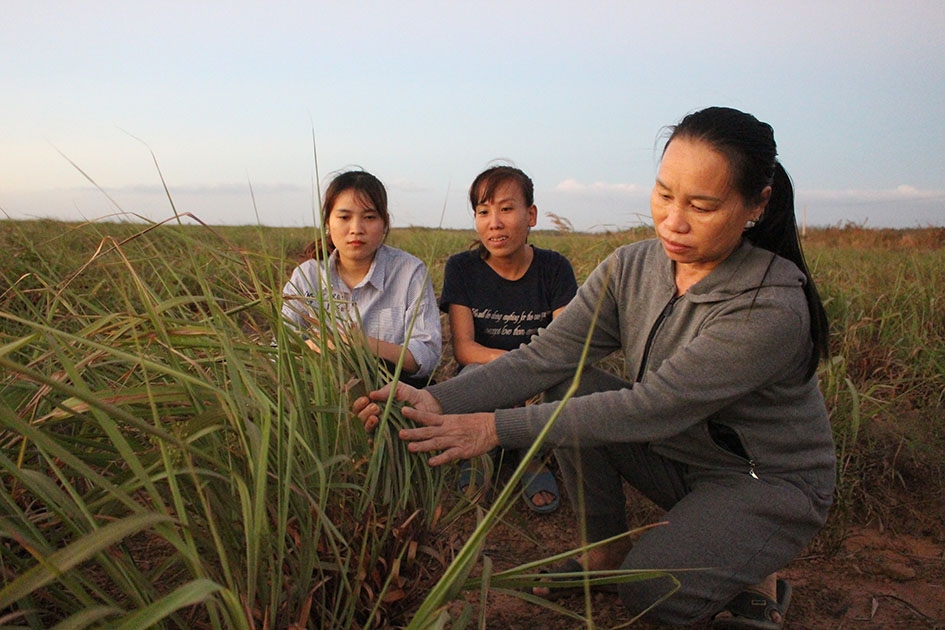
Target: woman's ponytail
776, 231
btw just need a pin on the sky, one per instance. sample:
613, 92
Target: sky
245, 109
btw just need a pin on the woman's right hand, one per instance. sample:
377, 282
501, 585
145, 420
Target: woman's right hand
368, 408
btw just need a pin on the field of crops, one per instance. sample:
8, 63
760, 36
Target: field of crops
173, 457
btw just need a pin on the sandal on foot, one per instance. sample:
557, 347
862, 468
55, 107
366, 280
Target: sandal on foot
751, 610
561, 572
472, 477
542, 481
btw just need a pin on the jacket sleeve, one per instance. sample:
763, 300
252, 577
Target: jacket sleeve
739, 353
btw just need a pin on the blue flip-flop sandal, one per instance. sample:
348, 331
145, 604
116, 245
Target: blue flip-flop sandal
543, 481
472, 477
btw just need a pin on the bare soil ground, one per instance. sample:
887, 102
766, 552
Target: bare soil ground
869, 578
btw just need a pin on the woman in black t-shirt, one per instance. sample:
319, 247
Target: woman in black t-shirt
499, 294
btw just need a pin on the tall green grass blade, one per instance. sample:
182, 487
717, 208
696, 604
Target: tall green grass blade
195, 592
60, 562
94, 616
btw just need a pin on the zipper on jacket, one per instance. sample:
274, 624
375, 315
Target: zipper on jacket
729, 440
649, 339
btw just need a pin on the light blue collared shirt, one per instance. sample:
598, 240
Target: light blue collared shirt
396, 286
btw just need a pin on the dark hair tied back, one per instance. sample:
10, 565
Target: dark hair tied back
749, 147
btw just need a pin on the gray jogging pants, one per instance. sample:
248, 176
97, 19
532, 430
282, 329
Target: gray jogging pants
726, 530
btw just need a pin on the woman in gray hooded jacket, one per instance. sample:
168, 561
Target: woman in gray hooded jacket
724, 425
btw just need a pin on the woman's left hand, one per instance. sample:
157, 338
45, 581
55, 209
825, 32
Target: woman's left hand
455, 436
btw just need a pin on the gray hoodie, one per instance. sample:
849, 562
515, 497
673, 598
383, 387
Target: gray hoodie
720, 370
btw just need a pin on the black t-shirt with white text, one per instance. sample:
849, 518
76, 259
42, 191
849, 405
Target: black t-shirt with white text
507, 313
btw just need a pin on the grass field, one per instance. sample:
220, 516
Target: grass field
164, 463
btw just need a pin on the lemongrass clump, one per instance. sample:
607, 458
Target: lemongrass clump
165, 463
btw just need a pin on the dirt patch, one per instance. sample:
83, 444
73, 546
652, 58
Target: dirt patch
869, 579
876, 580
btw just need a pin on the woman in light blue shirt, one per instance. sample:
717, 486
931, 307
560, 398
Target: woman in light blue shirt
387, 290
